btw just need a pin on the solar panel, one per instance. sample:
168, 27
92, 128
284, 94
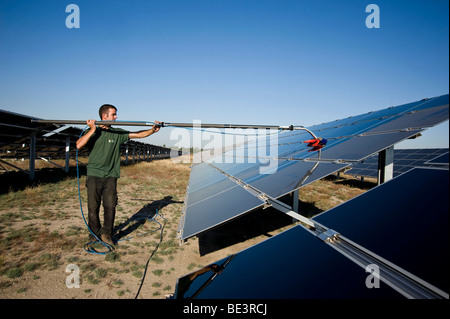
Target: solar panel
405, 221
210, 185
20, 137
293, 264
404, 160
439, 160
278, 164
395, 222
17, 128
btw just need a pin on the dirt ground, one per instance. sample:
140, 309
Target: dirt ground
42, 242
51, 284
48, 259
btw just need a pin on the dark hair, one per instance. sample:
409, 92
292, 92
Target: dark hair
104, 109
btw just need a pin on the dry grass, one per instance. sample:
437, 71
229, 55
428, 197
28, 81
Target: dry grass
41, 232
329, 192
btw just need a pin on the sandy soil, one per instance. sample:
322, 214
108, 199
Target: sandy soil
59, 235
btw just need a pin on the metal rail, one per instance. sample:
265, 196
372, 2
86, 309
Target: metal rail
407, 284
402, 281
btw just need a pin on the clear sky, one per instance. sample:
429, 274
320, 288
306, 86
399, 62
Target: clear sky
276, 62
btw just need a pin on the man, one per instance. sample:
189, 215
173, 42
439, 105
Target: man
103, 169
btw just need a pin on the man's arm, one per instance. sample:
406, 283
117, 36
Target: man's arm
82, 141
145, 133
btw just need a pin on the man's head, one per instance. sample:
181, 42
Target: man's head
107, 112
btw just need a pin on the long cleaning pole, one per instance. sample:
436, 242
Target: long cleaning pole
165, 124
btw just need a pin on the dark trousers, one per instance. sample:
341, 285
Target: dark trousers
101, 189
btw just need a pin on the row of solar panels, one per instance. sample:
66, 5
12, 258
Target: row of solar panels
401, 225
404, 221
213, 198
404, 160
20, 138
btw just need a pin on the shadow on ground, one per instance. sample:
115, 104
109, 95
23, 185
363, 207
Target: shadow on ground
253, 224
146, 213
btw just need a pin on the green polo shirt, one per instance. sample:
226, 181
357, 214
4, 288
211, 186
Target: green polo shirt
104, 156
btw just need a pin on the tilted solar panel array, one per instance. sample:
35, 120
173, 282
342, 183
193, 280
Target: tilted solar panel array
52, 140
403, 223
16, 129
223, 188
404, 160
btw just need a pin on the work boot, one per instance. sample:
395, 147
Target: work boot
107, 239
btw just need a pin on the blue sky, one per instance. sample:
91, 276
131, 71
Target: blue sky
274, 62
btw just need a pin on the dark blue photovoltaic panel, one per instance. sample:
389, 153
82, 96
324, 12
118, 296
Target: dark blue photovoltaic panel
404, 160
232, 202
203, 176
281, 163
440, 160
358, 148
405, 221
436, 102
291, 265
289, 176
211, 186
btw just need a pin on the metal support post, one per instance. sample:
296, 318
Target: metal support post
295, 199
32, 164
67, 164
385, 165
